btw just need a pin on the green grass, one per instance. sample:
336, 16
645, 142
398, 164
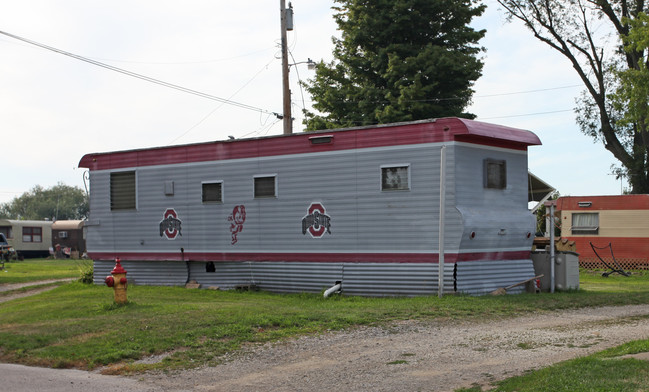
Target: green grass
78, 325
586, 374
31, 270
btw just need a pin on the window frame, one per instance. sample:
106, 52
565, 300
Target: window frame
408, 186
264, 176
129, 207
33, 231
502, 175
584, 230
206, 183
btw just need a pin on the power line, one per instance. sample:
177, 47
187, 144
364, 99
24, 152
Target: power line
139, 76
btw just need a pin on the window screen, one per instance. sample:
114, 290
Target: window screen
394, 178
585, 223
265, 187
122, 191
213, 192
495, 174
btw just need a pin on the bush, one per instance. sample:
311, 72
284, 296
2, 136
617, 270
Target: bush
86, 271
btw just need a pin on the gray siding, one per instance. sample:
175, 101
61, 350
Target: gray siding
364, 220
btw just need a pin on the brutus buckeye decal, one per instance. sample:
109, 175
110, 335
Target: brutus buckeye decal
170, 225
316, 222
237, 219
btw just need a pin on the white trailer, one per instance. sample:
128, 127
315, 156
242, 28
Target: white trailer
302, 212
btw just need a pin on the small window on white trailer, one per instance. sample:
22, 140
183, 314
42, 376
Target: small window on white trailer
122, 191
495, 174
212, 192
265, 186
395, 178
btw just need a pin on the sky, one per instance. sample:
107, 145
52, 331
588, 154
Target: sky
55, 108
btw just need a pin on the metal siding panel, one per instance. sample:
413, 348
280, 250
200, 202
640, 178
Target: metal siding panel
159, 273
225, 276
394, 279
482, 277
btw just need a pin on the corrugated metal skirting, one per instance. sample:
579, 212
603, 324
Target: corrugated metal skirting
367, 279
154, 273
482, 277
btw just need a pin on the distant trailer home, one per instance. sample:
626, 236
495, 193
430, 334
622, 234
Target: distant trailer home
621, 221
68, 238
30, 238
302, 212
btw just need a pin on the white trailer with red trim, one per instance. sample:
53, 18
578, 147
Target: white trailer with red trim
302, 212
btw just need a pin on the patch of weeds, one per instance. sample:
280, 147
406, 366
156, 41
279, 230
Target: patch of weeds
526, 345
407, 355
86, 271
398, 362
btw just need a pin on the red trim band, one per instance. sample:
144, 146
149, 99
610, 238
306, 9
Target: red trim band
437, 131
314, 257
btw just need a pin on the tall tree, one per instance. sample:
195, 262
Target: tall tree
397, 60
581, 30
58, 202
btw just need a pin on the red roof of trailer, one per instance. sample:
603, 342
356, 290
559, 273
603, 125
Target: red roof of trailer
614, 202
417, 132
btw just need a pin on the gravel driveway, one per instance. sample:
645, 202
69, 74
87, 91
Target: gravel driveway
418, 356
407, 356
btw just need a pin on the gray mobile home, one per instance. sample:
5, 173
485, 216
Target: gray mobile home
302, 212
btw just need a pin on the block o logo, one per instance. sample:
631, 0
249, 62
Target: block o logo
316, 222
170, 225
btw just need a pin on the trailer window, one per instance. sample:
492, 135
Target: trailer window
32, 234
395, 178
585, 223
122, 191
212, 192
6, 230
265, 186
495, 174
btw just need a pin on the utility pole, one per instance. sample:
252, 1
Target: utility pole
288, 118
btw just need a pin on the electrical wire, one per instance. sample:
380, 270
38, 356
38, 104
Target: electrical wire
139, 76
221, 105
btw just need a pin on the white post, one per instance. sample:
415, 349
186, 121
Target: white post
552, 254
442, 204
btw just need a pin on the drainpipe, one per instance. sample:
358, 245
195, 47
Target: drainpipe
552, 253
442, 204
333, 289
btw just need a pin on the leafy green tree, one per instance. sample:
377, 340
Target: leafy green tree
590, 33
397, 60
59, 202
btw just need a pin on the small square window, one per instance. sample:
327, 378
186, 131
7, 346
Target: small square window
122, 191
495, 174
265, 186
212, 192
395, 178
32, 234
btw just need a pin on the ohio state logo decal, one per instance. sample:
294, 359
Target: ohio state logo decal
316, 221
170, 225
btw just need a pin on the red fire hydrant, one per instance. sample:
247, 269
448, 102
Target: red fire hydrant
118, 282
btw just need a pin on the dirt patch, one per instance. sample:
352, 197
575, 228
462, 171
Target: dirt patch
7, 294
411, 356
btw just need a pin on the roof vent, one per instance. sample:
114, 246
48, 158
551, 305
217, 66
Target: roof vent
324, 139
585, 204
